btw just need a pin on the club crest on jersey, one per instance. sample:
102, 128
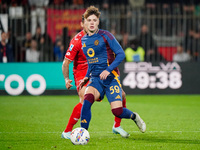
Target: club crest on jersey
96, 42
90, 52
71, 46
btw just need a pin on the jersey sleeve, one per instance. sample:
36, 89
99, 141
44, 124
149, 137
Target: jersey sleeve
117, 49
72, 50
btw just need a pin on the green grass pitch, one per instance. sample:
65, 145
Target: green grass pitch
36, 123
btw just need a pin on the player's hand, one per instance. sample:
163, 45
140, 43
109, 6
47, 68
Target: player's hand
68, 83
83, 82
104, 75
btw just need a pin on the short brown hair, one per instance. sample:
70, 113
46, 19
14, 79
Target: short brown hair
82, 19
92, 10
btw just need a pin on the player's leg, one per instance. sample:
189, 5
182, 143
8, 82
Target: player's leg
114, 95
117, 129
119, 111
76, 113
118, 120
91, 94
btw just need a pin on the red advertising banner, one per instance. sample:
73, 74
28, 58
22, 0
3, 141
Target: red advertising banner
57, 20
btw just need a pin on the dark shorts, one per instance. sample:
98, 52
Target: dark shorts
110, 87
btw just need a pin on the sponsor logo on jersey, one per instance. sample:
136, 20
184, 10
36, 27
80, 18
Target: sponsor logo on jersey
96, 42
76, 119
117, 97
83, 121
68, 53
90, 52
84, 45
71, 46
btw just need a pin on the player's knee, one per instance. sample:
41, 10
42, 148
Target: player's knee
117, 111
89, 97
81, 97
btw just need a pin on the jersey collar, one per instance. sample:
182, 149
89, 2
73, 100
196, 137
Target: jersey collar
94, 33
97, 31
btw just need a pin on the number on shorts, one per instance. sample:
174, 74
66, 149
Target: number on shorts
114, 89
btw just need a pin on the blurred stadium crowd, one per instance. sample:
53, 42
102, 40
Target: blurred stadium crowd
148, 30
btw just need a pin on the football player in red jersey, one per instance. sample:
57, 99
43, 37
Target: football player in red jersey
75, 54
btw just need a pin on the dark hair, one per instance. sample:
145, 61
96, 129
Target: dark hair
92, 11
82, 18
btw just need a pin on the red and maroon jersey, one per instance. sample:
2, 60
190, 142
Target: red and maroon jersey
75, 53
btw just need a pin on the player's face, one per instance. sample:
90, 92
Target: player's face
92, 23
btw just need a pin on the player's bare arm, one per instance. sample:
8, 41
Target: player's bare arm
65, 71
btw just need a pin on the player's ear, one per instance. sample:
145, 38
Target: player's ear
81, 24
